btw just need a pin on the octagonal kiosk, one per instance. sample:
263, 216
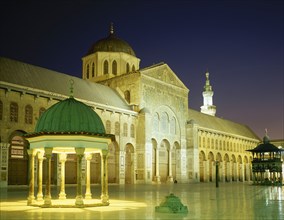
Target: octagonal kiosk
67, 127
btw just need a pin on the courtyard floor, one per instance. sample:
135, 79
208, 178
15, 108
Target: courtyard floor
204, 201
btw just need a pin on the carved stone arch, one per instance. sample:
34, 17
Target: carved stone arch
18, 159
202, 167
154, 156
170, 113
240, 159
156, 122
113, 163
234, 160
219, 157
227, 167
105, 67
129, 163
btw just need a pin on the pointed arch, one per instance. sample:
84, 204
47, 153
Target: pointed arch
127, 68
114, 67
14, 112
88, 71
105, 67
28, 114
127, 96
93, 69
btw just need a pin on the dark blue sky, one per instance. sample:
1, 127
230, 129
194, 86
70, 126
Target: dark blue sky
240, 42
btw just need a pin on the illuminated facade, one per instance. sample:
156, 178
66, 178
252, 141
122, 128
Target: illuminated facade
158, 139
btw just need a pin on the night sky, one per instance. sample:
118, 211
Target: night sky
240, 42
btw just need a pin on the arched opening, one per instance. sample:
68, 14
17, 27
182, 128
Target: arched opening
88, 71
219, 159
127, 96
174, 163
234, 170
114, 67
211, 165
28, 114
129, 164
93, 70
201, 166
227, 167
113, 167
246, 173
164, 160
18, 160
127, 68
154, 155
240, 169
105, 67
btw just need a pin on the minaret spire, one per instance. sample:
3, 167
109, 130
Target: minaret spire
208, 107
111, 28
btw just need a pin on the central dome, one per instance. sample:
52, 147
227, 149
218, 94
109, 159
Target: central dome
111, 44
70, 115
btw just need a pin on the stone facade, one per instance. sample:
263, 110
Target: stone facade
158, 139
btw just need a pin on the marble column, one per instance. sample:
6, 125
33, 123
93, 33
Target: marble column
31, 196
40, 161
170, 177
62, 159
79, 197
88, 194
157, 177
47, 197
104, 177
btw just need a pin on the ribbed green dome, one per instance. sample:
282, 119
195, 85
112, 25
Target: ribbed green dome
70, 115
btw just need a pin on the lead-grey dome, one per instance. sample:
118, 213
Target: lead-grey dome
111, 44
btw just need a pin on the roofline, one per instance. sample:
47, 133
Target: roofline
58, 96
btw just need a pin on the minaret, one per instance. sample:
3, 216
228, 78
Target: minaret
208, 107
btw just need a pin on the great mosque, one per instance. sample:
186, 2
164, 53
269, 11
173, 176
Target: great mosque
158, 139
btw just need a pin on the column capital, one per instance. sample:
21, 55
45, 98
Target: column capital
88, 156
104, 152
62, 157
79, 150
40, 155
31, 152
48, 150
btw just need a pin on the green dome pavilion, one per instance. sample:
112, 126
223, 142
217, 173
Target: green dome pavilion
70, 115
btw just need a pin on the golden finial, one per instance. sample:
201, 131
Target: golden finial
71, 82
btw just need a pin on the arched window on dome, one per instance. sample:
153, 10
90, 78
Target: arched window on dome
133, 68
14, 112
1, 110
127, 68
105, 67
114, 67
41, 111
93, 70
127, 96
88, 71
28, 114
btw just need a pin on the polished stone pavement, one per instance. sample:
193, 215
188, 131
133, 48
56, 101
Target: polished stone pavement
204, 201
